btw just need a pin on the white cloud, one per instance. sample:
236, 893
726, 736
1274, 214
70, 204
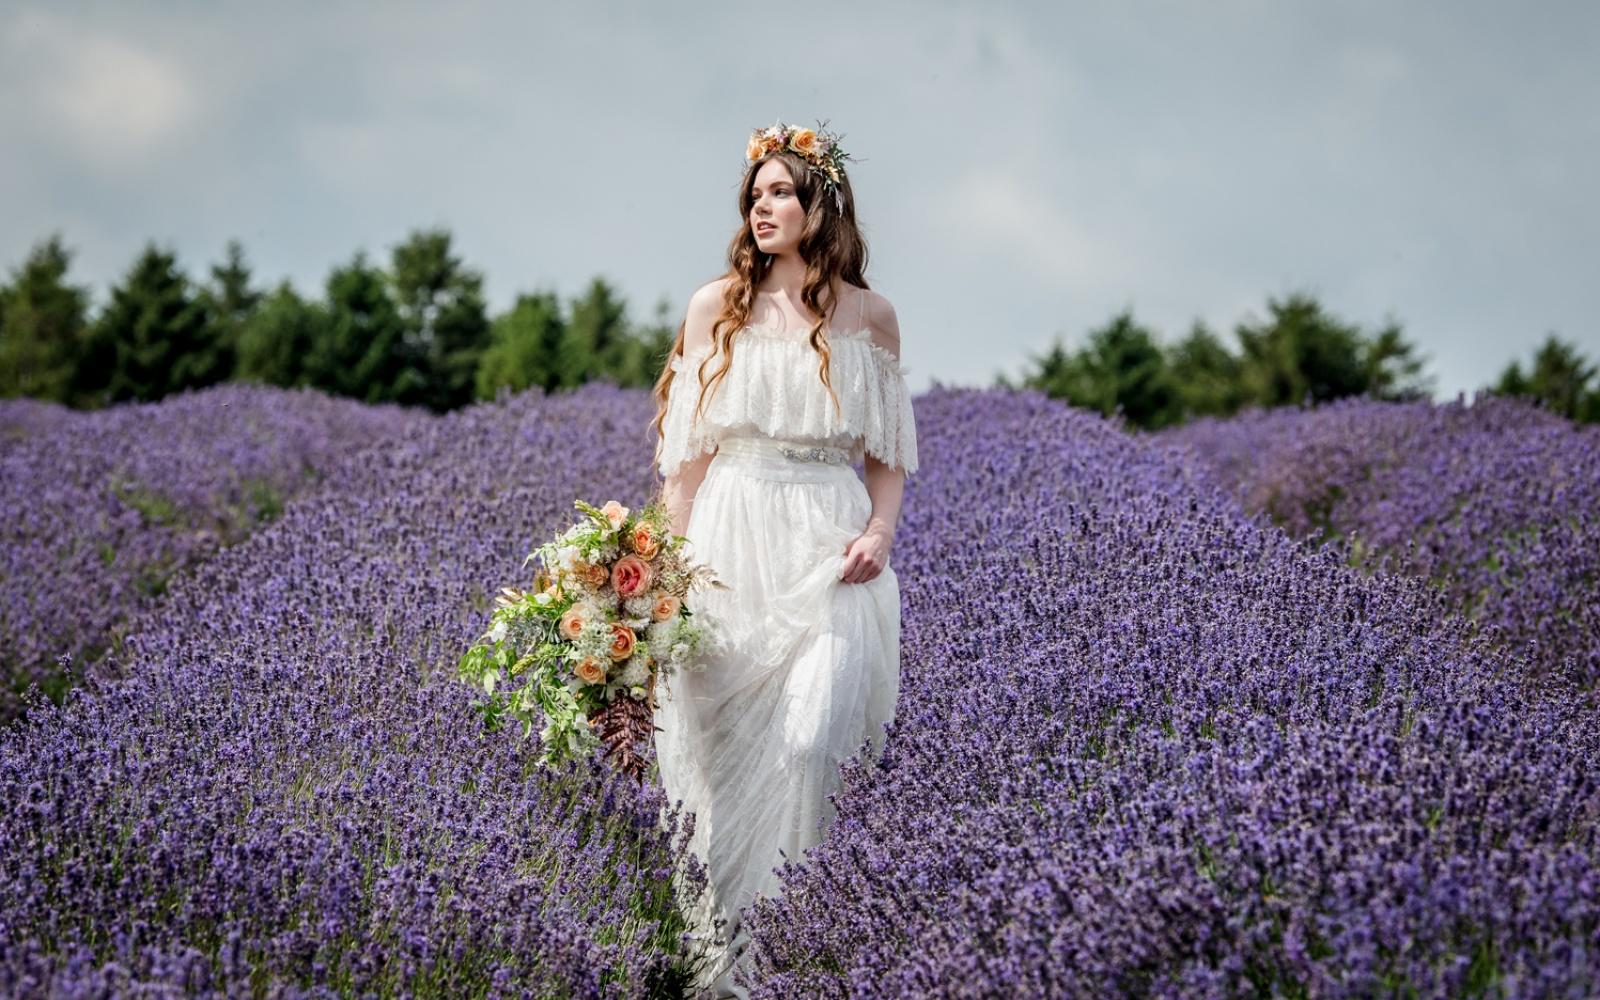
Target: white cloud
115, 104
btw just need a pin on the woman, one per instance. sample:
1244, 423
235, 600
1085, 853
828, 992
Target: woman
784, 372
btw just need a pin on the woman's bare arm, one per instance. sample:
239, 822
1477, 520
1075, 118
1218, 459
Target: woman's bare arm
886, 485
680, 487
869, 553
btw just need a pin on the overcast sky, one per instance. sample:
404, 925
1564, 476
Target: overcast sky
1023, 171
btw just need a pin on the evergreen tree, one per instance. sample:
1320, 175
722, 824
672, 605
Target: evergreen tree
229, 301
1121, 368
157, 332
524, 347
1560, 378
42, 321
279, 338
440, 303
1301, 354
649, 347
1393, 370
362, 350
593, 338
1205, 374
1049, 372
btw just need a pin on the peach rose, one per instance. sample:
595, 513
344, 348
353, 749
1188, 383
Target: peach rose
803, 141
622, 641
615, 513
645, 542
572, 623
590, 670
665, 606
756, 148
631, 576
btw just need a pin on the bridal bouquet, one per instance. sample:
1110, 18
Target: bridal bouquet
583, 648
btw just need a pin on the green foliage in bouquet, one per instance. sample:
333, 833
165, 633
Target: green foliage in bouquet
580, 652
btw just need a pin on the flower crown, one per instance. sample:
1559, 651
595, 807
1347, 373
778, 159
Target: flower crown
818, 147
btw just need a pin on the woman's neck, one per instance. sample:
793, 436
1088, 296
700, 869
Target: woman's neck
785, 277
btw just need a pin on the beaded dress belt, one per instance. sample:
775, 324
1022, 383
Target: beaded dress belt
794, 451
814, 453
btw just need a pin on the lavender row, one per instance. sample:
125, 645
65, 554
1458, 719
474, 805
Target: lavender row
289, 793
1149, 746
1145, 744
98, 510
1497, 502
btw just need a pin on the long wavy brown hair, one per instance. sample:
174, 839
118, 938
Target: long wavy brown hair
832, 247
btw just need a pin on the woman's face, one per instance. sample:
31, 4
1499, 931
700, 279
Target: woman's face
777, 206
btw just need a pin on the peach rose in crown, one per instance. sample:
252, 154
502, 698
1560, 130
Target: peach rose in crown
665, 606
645, 542
803, 141
590, 670
756, 147
572, 623
631, 576
622, 641
615, 513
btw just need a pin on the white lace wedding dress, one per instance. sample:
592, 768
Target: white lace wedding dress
811, 668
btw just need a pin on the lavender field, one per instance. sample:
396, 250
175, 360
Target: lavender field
1148, 741
1494, 502
97, 512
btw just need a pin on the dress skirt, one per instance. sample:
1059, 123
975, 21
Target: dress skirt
808, 669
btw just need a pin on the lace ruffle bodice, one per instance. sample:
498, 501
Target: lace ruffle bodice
773, 388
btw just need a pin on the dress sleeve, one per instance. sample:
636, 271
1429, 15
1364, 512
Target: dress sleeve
891, 434
683, 437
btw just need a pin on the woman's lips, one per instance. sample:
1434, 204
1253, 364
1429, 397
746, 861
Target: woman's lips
763, 230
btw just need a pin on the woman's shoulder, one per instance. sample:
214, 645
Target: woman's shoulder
705, 304
882, 322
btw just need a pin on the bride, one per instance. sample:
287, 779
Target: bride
784, 373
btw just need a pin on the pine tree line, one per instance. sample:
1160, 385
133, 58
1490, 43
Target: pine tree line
1298, 355
417, 332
